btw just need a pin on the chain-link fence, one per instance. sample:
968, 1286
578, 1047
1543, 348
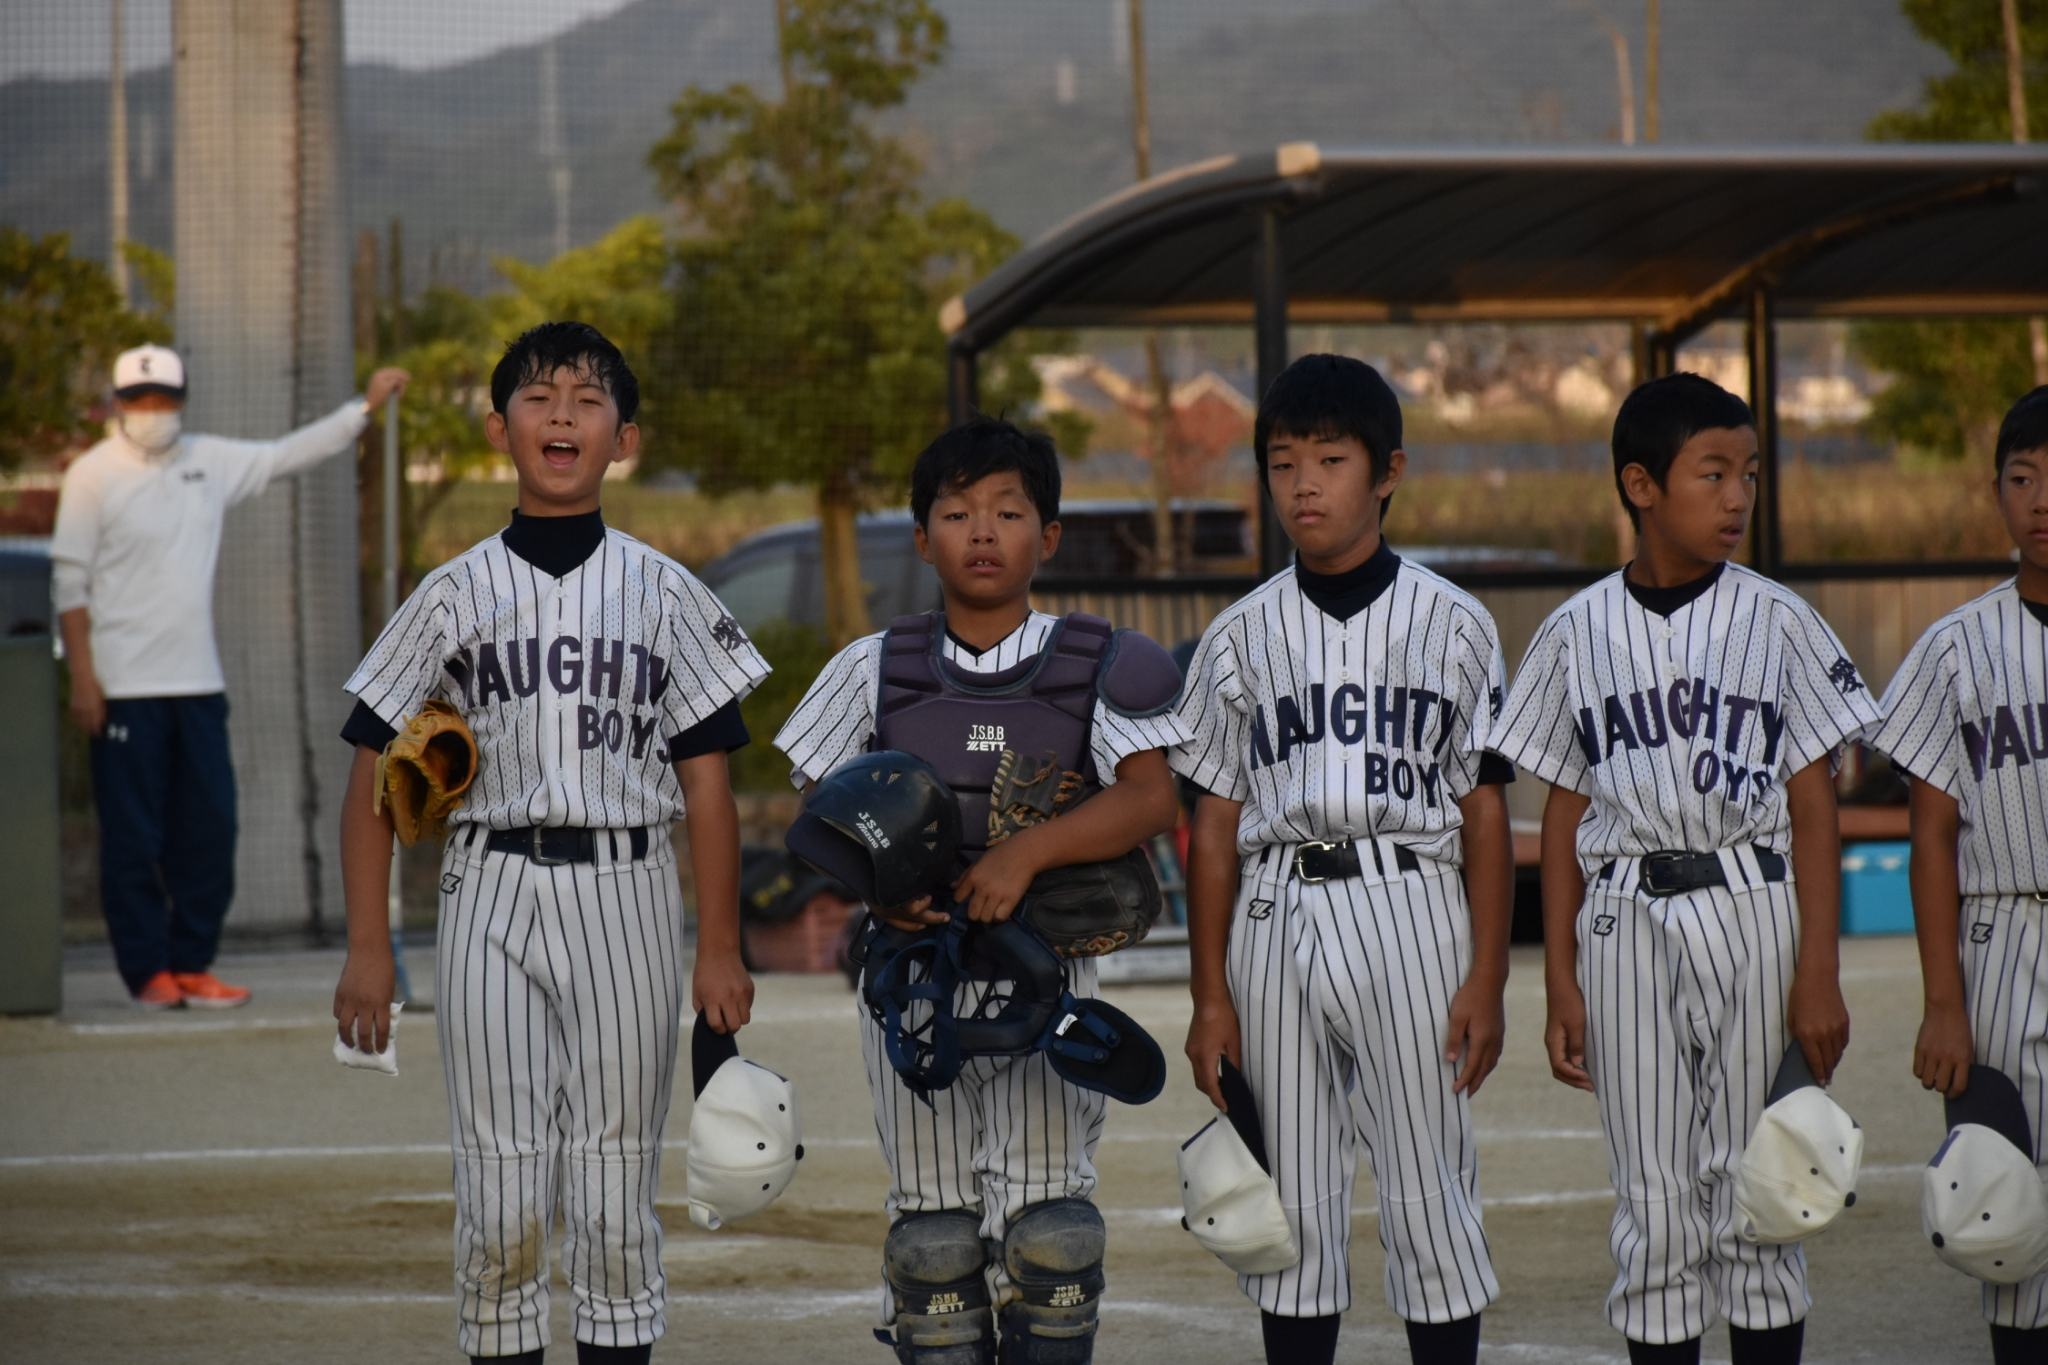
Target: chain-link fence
326, 186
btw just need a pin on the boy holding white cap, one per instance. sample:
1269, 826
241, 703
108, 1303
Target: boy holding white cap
1964, 719
132, 560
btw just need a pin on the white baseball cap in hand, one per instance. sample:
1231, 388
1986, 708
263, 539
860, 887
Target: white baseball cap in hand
1231, 1204
149, 369
743, 1132
1799, 1168
1982, 1203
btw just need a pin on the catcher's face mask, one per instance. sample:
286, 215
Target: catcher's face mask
912, 987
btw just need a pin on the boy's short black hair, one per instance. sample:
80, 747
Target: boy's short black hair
980, 446
1331, 395
2025, 428
1660, 415
577, 346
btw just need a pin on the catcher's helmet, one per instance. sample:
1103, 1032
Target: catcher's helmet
884, 824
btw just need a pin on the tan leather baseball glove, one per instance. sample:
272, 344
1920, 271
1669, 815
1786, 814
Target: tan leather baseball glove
423, 772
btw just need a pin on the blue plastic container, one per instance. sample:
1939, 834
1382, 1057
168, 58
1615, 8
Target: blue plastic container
1876, 898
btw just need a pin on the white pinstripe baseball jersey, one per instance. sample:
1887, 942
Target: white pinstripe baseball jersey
1681, 728
1325, 728
574, 686
561, 985
1968, 712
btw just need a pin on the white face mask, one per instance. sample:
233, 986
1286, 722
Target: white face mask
155, 432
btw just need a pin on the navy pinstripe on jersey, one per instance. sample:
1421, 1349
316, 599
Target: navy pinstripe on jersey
573, 686
1968, 712
1682, 728
561, 987
1325, 728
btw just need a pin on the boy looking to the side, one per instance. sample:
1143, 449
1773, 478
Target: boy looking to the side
1685, 710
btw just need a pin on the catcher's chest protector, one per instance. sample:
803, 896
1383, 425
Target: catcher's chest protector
961, 723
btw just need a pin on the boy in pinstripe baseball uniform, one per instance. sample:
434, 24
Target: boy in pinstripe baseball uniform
602, 684
1685, 711
1967, 719
1351, 876
990, 1179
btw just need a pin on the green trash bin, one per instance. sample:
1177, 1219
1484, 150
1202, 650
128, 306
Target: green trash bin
31, 907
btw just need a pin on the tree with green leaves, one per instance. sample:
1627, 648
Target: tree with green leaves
803, 342
61, 325
449, 341
1953, 378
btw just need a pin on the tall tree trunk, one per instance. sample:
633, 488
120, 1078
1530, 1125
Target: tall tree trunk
846, 598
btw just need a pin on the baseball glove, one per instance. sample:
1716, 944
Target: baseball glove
423, 772
1086, 909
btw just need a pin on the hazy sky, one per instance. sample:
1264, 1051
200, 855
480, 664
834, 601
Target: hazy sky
70, 37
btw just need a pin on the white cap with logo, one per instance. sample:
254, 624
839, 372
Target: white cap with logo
1799, 1167
744, 1143
1982, 1203
148, 369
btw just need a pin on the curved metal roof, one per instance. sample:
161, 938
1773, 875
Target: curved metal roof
1669, 235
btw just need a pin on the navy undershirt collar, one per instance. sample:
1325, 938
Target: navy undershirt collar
2040, 609
554, 545
1344, 595
1664, 601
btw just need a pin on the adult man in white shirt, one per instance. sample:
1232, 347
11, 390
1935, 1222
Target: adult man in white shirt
137, 537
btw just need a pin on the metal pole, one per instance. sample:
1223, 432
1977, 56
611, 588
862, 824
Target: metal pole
1269, 323
117, 159
1660, 352
1767, 547
394, 903
1653, 62
960, 384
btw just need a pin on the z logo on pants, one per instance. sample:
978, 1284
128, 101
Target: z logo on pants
1260, 910
1603, 925
1980, 932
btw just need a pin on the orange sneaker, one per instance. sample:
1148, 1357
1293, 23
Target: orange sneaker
205, 991
160, 992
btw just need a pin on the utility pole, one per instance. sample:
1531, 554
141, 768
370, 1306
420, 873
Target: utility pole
117, 157
2016, 100
553, 146
1624, 82
782, 43
1651, 65
1159, 429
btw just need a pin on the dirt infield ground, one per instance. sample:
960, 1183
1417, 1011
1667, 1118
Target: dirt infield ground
193, 1188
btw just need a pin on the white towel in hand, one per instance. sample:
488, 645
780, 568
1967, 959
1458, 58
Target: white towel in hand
385, 1061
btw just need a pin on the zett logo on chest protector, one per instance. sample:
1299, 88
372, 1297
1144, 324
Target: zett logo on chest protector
984, 739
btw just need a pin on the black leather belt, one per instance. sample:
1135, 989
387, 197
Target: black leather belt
1319, 861
552, 846
1666, 873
